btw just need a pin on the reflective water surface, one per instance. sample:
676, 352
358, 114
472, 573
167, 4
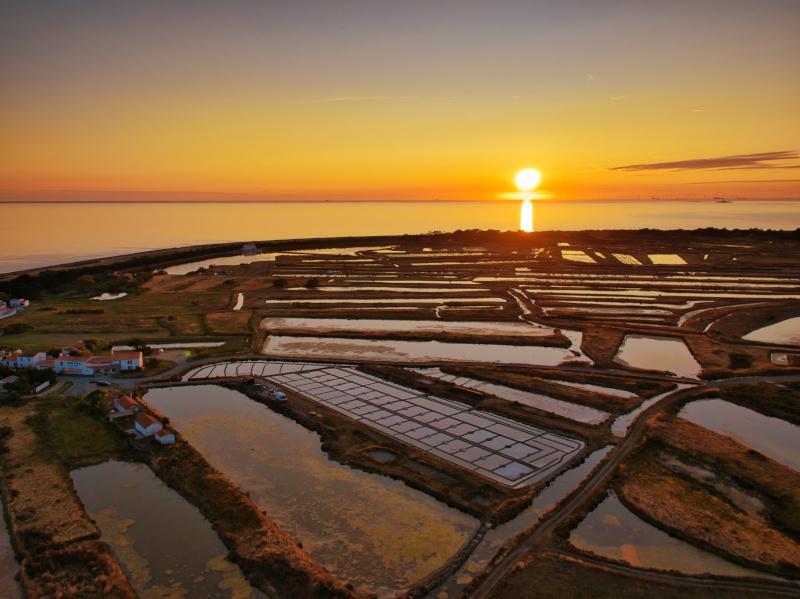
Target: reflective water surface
39, 234
330, 348
495, 538
775, 438
327, 325
658, 353
9, 588
163, 543
370, 530
783, 332
612, 530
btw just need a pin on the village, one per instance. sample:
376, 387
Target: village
68, 364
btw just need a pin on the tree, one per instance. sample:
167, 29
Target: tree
280, 283
312, 283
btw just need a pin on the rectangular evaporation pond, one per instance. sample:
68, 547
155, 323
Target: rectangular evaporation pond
338, 349
577, 256
163, 542
666, 259
411, 300
508, 452
627, 259
328, 325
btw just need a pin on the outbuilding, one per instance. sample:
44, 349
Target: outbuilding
165, 436
127, 404
146, 425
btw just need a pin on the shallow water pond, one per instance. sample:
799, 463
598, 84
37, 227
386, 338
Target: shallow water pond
495, 538
784, 332
367, 529
163, 543
668, 259
611, 530
539, 401
9, 588
105, 296
328, 325
658, 353
391, 300
190, 267
330, 348
775, 438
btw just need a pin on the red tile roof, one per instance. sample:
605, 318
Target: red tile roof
75, 358
127, 402
126, 355
98, 360
164, 432
145, 420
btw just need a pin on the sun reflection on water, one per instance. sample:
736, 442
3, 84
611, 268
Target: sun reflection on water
526, 216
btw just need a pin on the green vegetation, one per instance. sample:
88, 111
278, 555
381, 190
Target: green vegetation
16, 328
73, 430
28, 380
152, 367
778, 485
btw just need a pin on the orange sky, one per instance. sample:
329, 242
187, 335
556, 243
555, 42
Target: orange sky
414, 100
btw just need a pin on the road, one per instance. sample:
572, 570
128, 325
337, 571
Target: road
599, 479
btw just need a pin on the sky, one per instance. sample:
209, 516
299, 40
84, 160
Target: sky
434, 99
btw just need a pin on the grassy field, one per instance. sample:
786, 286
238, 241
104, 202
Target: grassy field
74, 436
779, 485
694, 511
161, 310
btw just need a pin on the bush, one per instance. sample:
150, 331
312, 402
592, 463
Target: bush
280, 283
17, 328
312, 283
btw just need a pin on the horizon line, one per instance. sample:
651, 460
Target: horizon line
393, 201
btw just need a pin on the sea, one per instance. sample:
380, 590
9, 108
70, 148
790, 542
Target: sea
40, 234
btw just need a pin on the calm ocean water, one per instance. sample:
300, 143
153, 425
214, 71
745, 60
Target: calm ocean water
34, 235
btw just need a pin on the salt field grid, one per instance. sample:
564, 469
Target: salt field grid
503, 450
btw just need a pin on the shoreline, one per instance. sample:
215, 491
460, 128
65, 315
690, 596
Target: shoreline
175, 255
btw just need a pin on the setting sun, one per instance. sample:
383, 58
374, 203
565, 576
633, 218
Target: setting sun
527, 179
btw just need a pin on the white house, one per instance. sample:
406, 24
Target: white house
146, 425
74, 365
93, 365
29, 359
127, 360
10, 359
127, 404
165, 436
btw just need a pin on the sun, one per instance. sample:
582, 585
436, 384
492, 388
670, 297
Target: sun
527, 179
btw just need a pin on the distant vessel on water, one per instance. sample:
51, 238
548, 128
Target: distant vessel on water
722, 201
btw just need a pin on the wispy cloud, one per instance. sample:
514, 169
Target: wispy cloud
696, 110
589, 76
616, 98
337, 99
764, 160
746, 181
